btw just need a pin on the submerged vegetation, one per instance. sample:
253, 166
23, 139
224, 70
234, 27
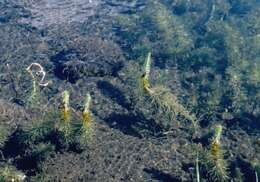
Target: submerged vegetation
52, 131
88, 127
162, 98
35, 70
65, 124
215, 163
218, 65
155, 76
160, 31
9, 173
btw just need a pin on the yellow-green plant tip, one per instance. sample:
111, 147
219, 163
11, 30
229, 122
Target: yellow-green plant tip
87, 129
65, 126
162, 98
218, 132
146, 86
145, 77
148, 65
86, 114
216, 164
65, 106
215, 145
65, 98
87, 103
86, 117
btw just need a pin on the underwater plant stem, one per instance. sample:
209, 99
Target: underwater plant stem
34, 88
65, 106
162, 98
215, 145
87, 122
145, 78
146, 86
197, 168
217, 165
86, 112
65, 126
87, 103
35, 69
218, 132
148, 65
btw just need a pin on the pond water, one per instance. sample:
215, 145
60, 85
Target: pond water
51, 12
199, 61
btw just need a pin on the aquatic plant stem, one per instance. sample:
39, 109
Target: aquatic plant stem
162, 98
87, 122
197, 168
146, 75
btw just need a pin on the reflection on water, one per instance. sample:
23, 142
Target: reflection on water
49, 12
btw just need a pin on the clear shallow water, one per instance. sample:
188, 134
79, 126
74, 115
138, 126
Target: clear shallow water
44, 13
210, 43
52, 12
206, 52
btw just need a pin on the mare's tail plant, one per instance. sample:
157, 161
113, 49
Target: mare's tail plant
215, 163
35, 69
87, 129
33, 96
146, 76
162, 98
65, 114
